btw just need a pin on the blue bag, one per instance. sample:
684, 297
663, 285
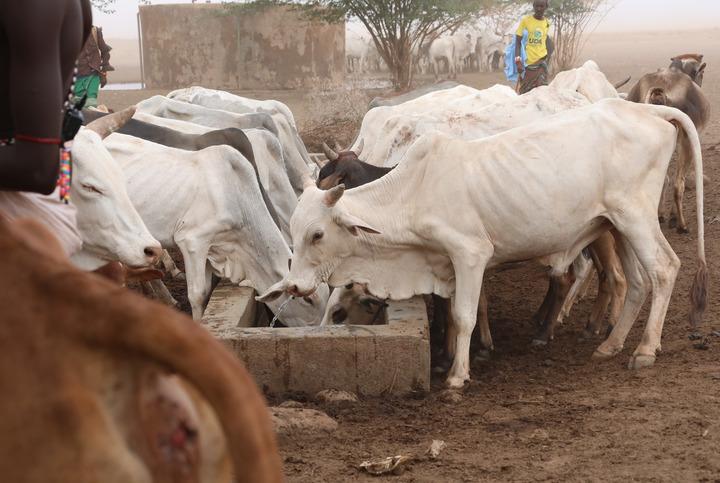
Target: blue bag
511, 72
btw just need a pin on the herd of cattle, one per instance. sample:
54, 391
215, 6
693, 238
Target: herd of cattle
440, 185
475, 47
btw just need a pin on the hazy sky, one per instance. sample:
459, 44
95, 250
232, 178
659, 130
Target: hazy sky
627, 15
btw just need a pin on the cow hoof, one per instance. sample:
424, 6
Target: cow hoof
683, 230
538, 343
586, 335
641, 361
455, 382
483, 355
602, 353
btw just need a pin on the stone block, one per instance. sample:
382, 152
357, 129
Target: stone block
366, 360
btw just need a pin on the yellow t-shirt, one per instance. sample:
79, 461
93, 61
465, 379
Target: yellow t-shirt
536, 47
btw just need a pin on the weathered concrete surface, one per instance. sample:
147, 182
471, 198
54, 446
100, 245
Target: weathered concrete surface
218, 47
366, 360
231, 305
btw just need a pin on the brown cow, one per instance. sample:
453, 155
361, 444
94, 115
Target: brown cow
674, 87
692, 65
88, 371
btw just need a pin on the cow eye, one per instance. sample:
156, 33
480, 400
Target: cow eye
91, 188
289, 263
317, 236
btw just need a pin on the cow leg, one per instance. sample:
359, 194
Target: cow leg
560, 286
662, 266
468, 284
683, 158
195, 258
637, 290
663, 210
618, 285
582, 268
439, 334
156, 289
612, 287
169, 265
541, 315
484, 322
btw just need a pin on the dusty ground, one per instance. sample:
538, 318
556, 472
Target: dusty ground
554, 414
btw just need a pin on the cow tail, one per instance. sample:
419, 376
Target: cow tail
181, 345
698, 292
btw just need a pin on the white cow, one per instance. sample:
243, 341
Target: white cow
269, 160
443, 48
109, 225
540, 191
208, 204
216, 99
371, 129
281, 114
298, 170
466, 120
356, 50
587, 80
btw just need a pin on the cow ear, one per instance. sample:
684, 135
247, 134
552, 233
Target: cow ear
333, 195
354, 225
702, 67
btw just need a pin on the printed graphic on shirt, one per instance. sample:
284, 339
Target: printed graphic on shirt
537, 31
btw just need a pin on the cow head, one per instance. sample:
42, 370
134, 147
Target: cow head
109, 225
344, 167
690, 64
323, 234
352, 305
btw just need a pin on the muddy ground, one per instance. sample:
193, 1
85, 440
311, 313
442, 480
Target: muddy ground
553, 414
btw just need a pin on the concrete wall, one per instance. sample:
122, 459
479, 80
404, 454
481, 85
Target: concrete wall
212, 46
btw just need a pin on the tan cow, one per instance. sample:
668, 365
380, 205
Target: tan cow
674, 87
104, 385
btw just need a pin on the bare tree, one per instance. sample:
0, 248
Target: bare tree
105, 6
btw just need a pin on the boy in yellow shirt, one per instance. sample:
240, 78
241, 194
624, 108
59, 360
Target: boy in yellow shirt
538, 50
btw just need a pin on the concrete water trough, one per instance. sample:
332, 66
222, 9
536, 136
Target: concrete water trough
369, 360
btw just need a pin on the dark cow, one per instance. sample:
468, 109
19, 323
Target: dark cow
677, 86
345, 168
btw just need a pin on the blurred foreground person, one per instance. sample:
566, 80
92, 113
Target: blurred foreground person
39, 44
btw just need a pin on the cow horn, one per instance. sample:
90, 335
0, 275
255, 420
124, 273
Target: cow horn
359, 147
331, 155
622, 83
333, 195
107, 125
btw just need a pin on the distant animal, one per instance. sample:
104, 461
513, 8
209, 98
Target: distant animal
674, 87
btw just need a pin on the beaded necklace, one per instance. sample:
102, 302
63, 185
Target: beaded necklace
72, 120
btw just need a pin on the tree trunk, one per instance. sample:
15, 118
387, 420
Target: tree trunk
402, 68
